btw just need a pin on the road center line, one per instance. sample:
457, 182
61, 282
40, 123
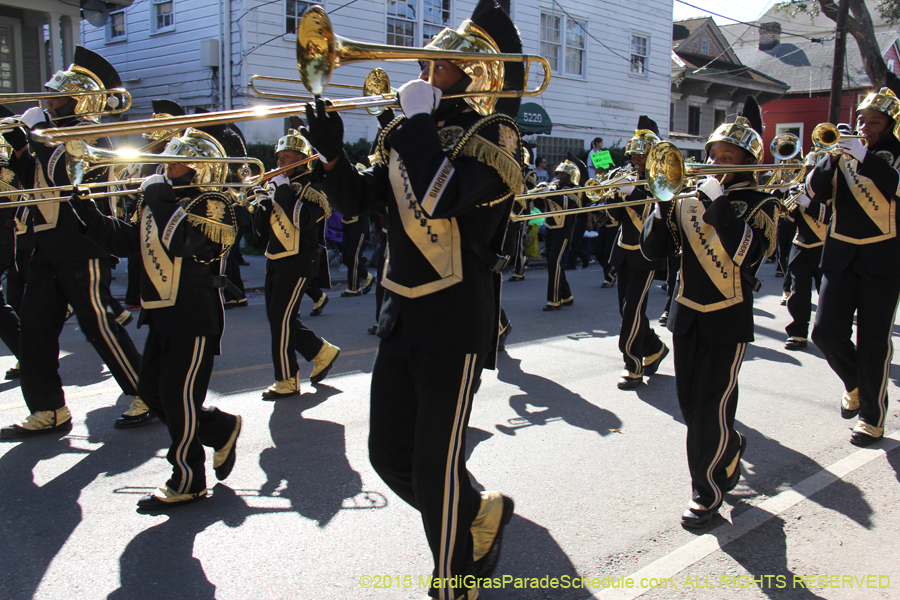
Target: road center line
680, 559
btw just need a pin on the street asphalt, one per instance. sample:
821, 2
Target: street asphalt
598, 475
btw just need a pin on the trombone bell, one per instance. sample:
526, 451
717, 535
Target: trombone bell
825, 137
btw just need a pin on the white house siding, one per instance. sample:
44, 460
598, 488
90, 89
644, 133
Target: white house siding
606, 103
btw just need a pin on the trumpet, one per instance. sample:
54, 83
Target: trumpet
112, 101
319, 52
826, 137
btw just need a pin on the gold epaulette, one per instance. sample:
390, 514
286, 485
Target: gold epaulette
215, 219
496, 142
761, 219
308, 193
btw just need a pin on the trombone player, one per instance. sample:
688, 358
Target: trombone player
723, 231
452, 167
560, 229
641, 348
66, 268
861, 260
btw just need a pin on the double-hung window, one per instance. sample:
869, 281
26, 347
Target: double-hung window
293, 10
162, 16
414, 23
565, 53
639, 52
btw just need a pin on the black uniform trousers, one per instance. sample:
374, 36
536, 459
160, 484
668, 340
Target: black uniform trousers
9, 325
515, 233
51, 287
576, 250
673, 266
783, 247
706, 382
867, 364
174, 378
421, 401
606, 239
557, 285
636, 338
804, 271
353, 260
283, 292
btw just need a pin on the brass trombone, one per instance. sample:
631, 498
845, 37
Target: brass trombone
112, 101
319, 52
377, 83
826, 136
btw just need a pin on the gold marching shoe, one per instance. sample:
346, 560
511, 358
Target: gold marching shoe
494, 513
137, 415
850, 404
38, 423
865, 435
163, 498
224, 457
323, 361
283, 388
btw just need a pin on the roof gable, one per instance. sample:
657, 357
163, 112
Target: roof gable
688, 37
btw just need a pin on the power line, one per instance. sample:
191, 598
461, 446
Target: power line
747, 23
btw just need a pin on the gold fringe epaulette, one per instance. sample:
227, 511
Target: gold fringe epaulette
760, 219
217, 221
502, 155
220, 233
311, 194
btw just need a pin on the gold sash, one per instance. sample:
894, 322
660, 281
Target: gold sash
164, 273
880, 210
437, 239
712, 256
285, 232
638, 222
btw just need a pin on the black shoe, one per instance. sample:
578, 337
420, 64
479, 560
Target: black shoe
795, 344
664, 318
485, 566
516, 278
695, 519
501, 343
351, 294
651, 368
732, 481
14, 432
226, 455
367, 286
13, 373
607, 283
569, 301
131, 422
629, 381
317, 310
165, 498
549, 307
372, 330
857, 438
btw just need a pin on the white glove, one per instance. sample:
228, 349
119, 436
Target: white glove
711, 188
153, 179
33, 116
854, 147
418, 97
657, 211
627, 189
803, 200
280, 180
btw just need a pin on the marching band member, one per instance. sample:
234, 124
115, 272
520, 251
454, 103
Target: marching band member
860, 261
359, 280
451, 169
181, 236
559, 232
9, 318
641, 348
723, 234
67, 268
811, 217
292, 222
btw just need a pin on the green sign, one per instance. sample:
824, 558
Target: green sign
601, 159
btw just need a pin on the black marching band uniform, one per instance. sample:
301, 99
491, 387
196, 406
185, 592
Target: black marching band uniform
181, 236
722, 240
446, 185
811, 218
861, 268
641, 348
9, 317
291, 221
356, 232
559, 231
67, 268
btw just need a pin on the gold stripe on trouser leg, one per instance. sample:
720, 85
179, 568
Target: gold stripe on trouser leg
451, 475
723, 422
109, 337
190, 416
636, 322
559, 271
885, 373
285, 347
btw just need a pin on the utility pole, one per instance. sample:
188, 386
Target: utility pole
837, 71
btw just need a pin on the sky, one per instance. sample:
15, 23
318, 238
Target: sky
741, 10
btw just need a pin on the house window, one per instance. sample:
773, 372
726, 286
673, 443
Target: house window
7, 73
639, 45
671, 117
115, 27
293, 10
435, 17
401, 22
704, 48
693, 120
719, 117
163, 16
572, 47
